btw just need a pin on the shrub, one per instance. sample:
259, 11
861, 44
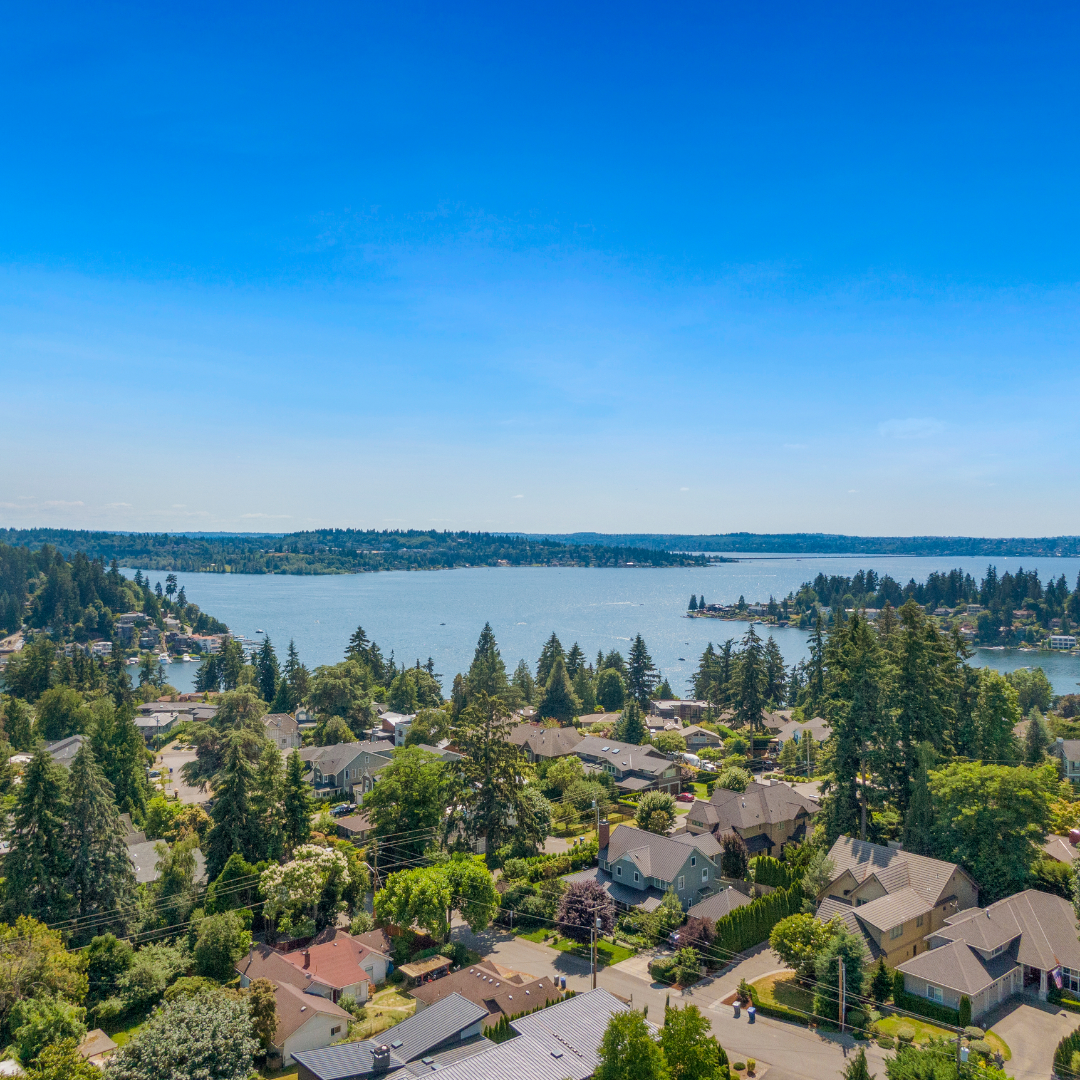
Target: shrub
930, 1009
973, 1032
886, 1042
965, 1011
980, 1047
751, 1065
739, 1066
906, 1035
857, 1019
514, 869
744, 990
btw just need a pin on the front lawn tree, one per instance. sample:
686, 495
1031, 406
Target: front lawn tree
798, 939
655, 812
293, 891
690, 1049
585, 906
408, 799
420, 897
628, 1050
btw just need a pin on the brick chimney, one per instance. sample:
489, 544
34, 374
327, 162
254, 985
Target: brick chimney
307, 958
604, 834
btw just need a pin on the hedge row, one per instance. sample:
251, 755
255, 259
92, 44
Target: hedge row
750, 925
540, 867
766, 870
1063, 1055
931, 1010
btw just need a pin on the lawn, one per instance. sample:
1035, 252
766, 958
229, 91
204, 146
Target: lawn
783, 989
382, 1010
924, 1030
606, 953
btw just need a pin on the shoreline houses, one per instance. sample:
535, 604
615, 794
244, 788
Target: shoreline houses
893, 898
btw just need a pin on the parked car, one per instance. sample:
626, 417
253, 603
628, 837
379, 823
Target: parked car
686, 796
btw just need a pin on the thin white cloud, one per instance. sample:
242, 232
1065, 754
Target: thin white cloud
519, 496
274, 517
910, 428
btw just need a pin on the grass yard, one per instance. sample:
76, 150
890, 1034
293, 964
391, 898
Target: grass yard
783, 989
382, 1010
606, 953
925, 1030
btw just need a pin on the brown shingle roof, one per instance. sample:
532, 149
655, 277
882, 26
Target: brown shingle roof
895, 869
893, 909
499, 990
829, 909
760, 804
295, 1009
719, 904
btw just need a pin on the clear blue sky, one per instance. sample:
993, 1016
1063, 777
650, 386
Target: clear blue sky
545, 267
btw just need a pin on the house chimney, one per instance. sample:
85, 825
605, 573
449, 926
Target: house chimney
604, 834
380, 1058
307, 958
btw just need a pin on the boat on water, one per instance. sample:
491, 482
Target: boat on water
163, 658
132, 659
260, 631
187, 658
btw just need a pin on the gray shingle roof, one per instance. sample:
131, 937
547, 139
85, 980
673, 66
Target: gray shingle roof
719, 905
546, 742
760, 804
895, 869
894, 908
412, 1038
959, 968
658, 856
829, 909
332, 759
627, 756
643, 899
1046, 925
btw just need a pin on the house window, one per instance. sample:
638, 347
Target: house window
693, 860
918, 920
637, 877
682, 883
618, 871
935, 993
896, 931
705, 874
335, 1031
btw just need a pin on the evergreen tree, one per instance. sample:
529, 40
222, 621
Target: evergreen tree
267, 672
234, 827
120, 750
641, 674
37, 865
750, 682
487, 673
693, 602
18, 724
359, 647
296, 677
856, 1068
558, 702
100, 875
575, 660
701, 602
775, 674
585, 690
610, 690
919, 819
814, 690
524, 681
552, 651
1036, 739
296, 804
631, 727
887, 624
267, 805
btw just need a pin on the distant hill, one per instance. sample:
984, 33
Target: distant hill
335, 551
834, 544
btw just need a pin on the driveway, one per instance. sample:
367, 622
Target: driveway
1032, 1030
170, 757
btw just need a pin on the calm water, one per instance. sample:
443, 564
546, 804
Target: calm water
440, 614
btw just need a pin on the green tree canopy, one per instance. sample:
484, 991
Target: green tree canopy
420, 897
690, 1049
558, 701
628, 1050
655, 812
409, 799
610, 690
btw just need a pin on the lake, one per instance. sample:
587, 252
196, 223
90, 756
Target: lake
417, 614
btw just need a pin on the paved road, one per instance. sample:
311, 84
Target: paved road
791, 1052
171, 757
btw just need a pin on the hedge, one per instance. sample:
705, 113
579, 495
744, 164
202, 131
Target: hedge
766, 870
750, 925
785, 1012
1064, 1053
931, 1010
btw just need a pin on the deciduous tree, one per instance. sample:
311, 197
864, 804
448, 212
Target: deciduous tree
628, 1050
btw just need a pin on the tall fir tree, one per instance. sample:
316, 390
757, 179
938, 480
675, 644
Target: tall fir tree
551, 652
36, 866
120, 750
575, 660
775, 674
234, 827
268, 805
641, 674
296, 804
919, 819
585, 690
814, 690
750, 682
487, 673
631, 727
558, 702
101, 879
523, 680
267, 671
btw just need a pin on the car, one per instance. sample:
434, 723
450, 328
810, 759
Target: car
154, 774
686, 796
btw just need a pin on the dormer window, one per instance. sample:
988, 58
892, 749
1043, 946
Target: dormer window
693, 860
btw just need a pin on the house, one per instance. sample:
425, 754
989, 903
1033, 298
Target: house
543, 743
697, 737
397, 724
144, 858
346, 768
500, 990
305, 1022
893, 898
442, 1026
560, 1042
1062, 641
157, 723
767, 816
718, 905
634, 768
63, 751
1068, 750
337, 966
282, 730
636, 867
1017, 945
1060, 848
675, 709
355, 827
785, 728
97, 1048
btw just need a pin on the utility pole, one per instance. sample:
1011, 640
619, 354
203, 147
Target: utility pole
843, 992
595, 928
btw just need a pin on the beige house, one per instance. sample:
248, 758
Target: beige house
305, 1022
767, 816
282, 730
893, 898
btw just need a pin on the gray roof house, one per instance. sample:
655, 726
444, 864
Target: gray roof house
1069, 752
637, 867
766, 815
634, 768
1017, 945
892, 897
544, 743
443, 1025
283, 730
63, 751
346, 768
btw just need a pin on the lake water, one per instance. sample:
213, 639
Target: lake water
417, 614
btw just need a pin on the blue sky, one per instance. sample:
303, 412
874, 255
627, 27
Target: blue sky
618, 267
